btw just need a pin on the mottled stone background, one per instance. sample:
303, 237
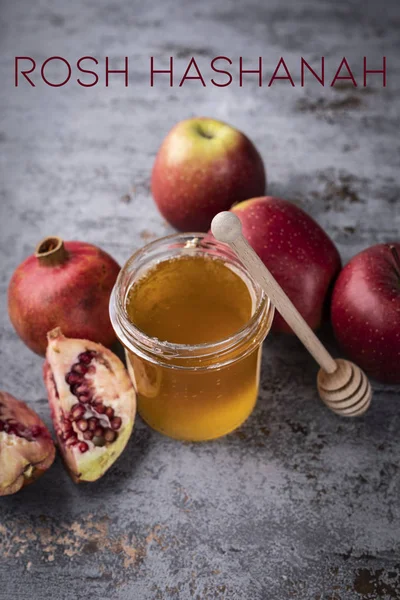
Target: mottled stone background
298, 503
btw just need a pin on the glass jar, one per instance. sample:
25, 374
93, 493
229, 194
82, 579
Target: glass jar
192, 392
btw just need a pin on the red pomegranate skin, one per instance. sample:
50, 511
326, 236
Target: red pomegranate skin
296, 250
73, 295
365, 312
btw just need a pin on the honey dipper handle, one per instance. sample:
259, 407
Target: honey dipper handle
226, 227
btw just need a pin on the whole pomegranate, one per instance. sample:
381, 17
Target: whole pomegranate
66, 284
92, 402
26, 447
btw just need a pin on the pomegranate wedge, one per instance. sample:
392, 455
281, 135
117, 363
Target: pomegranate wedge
26, 447
92, 401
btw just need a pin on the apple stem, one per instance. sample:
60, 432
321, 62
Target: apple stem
396, 257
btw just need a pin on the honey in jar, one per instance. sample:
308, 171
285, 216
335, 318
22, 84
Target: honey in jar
192, 322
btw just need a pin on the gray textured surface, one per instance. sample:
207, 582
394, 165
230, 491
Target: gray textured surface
298, 503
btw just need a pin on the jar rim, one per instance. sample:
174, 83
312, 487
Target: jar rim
140, 343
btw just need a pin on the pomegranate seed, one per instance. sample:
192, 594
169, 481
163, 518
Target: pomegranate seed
79, 369
71, 441
83, 447
77, 411
86, 357
88, 435
110, 435
99, 442
73, 378
82, 388
99, 432
82, 425
116, 423
92, 422
85, 397
99, 408
73, 388
13, 427
109, 412
35, 431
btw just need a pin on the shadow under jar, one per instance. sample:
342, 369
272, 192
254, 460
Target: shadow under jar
192, 322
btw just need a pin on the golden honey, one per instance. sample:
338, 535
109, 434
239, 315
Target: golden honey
189, 300
193, 327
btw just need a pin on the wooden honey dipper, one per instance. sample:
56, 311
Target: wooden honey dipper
342, 386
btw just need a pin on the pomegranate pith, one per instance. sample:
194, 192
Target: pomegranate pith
93, 404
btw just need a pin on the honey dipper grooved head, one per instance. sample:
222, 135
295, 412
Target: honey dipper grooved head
347, 391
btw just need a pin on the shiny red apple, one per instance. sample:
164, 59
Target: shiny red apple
296, 250
204, 166
366, 311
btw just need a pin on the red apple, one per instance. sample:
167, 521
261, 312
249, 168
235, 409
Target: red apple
299, 254
204, 166
366, 311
